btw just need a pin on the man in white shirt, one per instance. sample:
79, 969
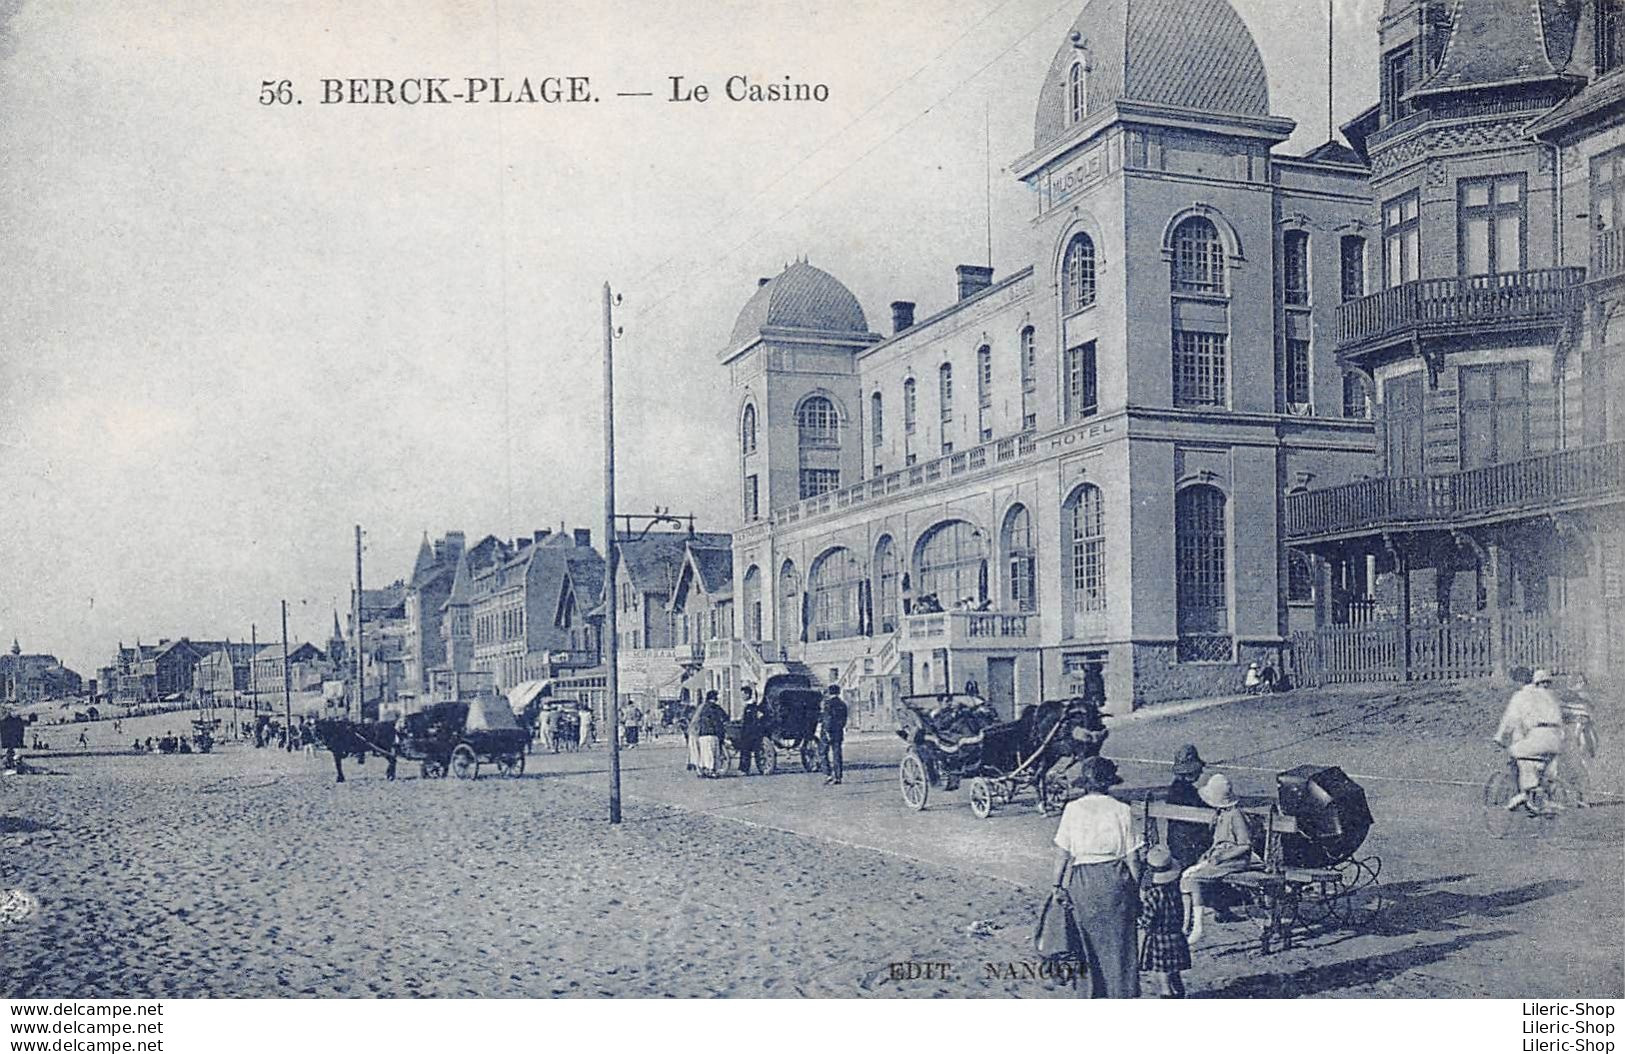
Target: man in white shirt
1531, 729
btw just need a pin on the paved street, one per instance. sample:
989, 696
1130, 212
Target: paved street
250, 873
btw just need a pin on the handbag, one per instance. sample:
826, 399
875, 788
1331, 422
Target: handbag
1056, 936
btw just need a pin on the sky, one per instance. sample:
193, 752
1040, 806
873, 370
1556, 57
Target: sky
231, 332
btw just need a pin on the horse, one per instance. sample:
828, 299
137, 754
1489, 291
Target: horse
357, 739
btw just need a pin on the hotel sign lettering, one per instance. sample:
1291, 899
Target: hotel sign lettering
1081, 436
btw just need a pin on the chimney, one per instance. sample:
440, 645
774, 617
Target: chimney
583, 538
762, 281
439, 551
540, 536
973, 279
456, 541
902, 315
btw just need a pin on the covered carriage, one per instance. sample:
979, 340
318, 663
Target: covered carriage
961, 738
790, 705
459, 737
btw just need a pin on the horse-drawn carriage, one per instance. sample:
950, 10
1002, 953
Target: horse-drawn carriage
460, 737
789, 722
955, 738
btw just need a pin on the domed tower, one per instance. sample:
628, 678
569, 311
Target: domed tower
791, 358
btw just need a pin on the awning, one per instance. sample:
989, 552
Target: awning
526, 692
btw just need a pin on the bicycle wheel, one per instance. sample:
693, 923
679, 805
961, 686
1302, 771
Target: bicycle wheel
1498, 789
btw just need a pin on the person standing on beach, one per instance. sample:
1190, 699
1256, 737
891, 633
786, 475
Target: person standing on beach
1097, 868
832, 734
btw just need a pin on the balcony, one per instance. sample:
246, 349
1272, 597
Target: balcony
1608, 254
1445, 306
970, 629
926, 473
1568, 479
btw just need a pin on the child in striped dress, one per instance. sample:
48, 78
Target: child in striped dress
1163, 948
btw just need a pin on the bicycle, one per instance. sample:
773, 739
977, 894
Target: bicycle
1548, 800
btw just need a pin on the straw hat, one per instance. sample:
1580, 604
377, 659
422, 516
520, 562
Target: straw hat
1217, 792
1541, 677
1164, 868
1188, 762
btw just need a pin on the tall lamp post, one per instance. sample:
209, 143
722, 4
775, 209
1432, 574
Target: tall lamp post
610, 645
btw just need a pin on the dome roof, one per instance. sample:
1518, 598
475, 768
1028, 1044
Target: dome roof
1191, 54
801, 297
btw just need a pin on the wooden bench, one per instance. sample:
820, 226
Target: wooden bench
1275, 888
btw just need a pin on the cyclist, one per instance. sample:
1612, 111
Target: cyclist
1531, 730
1580, 740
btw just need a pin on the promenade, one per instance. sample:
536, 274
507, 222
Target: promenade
250, 873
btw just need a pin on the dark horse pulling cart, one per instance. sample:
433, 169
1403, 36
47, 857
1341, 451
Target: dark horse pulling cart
954, 738
460, 737
789, 721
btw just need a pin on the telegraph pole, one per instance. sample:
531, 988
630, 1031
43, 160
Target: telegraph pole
254, 670
287, 685
360, 684
611, 680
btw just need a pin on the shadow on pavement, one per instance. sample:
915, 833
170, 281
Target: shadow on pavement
1416, 907
1352, 973
23, 825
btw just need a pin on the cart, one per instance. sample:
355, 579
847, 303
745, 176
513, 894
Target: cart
457, 738
960, 738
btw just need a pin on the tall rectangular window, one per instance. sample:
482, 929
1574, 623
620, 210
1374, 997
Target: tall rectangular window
1029, 380
1494, 414
984, 392
816, 481
1082, 382
1491, 214
1398, 74
1352, 267
1610, 35
1200, 369
1402, 424
909, 406
1298, 386
1608, 189
753, 507
1295, 268
945, 392
1402, 240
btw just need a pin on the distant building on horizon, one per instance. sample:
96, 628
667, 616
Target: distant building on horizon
33, 678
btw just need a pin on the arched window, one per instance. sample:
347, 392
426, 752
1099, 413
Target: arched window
1077, 92
886, 585
1020, 560
1078, 274
752, 597
1356, 397
876, 421
747, 430
1200, 559
817, 422
1029, 380
1085, 526
1300, 578
835, 583
790, 625
909, 406
952, 559
1198, 257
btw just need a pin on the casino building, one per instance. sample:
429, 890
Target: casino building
1085, 461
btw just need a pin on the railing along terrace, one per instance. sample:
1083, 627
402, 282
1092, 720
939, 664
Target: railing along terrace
959, 463
948, 627
1543, 482
1608, 254
1547, 294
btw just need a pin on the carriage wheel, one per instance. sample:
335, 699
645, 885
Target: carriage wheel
809, 756
511, 765
430, 769
911, 777
981, 798
769, 757
465, 765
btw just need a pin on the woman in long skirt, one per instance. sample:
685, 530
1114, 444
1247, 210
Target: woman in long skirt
1097, 864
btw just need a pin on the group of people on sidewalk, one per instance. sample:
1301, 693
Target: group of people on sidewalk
708, 728
1133, 909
